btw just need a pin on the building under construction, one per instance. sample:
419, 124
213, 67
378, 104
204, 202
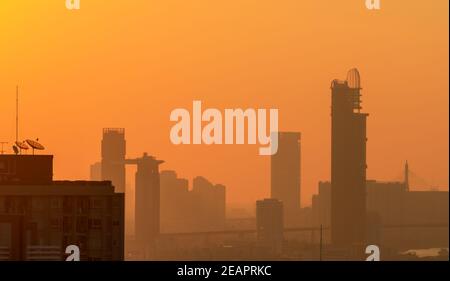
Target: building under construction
348, 163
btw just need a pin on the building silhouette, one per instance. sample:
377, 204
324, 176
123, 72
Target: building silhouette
95, 171
348, 163
176, 203
40, 217
200, 209
285, 175
208, 202
397, 218
269, 224
113, 157
147, 202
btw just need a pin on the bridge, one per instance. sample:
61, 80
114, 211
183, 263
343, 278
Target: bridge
293, 229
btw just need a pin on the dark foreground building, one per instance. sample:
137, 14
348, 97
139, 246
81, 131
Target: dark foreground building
40, 217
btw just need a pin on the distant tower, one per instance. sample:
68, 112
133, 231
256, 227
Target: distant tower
210, 207
147, 202
406, 176
95, 172
113, 157
348, 163
269, 224
285, 175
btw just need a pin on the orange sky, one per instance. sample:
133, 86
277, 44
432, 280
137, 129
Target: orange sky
129, 63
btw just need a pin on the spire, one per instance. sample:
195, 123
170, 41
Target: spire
17, 113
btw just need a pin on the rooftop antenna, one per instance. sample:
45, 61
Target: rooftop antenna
19, 145
17, 113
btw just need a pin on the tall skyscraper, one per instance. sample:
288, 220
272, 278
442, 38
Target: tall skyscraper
285, 175
113, 157
348, 162
269, 224
147, 202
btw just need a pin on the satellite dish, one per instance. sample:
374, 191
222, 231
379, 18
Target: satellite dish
35, 145
16, 150
21, 145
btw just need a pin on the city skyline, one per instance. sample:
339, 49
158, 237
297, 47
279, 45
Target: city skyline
132, 76
352, 223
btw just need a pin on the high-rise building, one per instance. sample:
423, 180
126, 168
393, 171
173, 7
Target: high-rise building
147, 202
95, 171
183, 210
40, 217
269, 224
176, 203
113, 157
285, 175
348, 163
208, 205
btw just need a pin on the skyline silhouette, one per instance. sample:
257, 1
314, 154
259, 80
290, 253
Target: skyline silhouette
138, 130
340, 208
258, 55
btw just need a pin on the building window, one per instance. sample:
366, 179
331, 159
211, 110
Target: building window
67, 205
108, 243
82, 242
55, 223
115, 203
81, 224
108, 223
96, 203
67, 224
55, 203
95, 224
82, 205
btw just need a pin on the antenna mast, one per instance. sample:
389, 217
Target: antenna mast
17, 113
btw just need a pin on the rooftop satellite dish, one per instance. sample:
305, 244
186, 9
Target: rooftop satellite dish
21, 145
35, 145
16, 150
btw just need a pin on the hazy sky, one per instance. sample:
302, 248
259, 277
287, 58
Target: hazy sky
129, 63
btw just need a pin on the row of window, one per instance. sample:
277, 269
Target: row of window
69, 204
83, 224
